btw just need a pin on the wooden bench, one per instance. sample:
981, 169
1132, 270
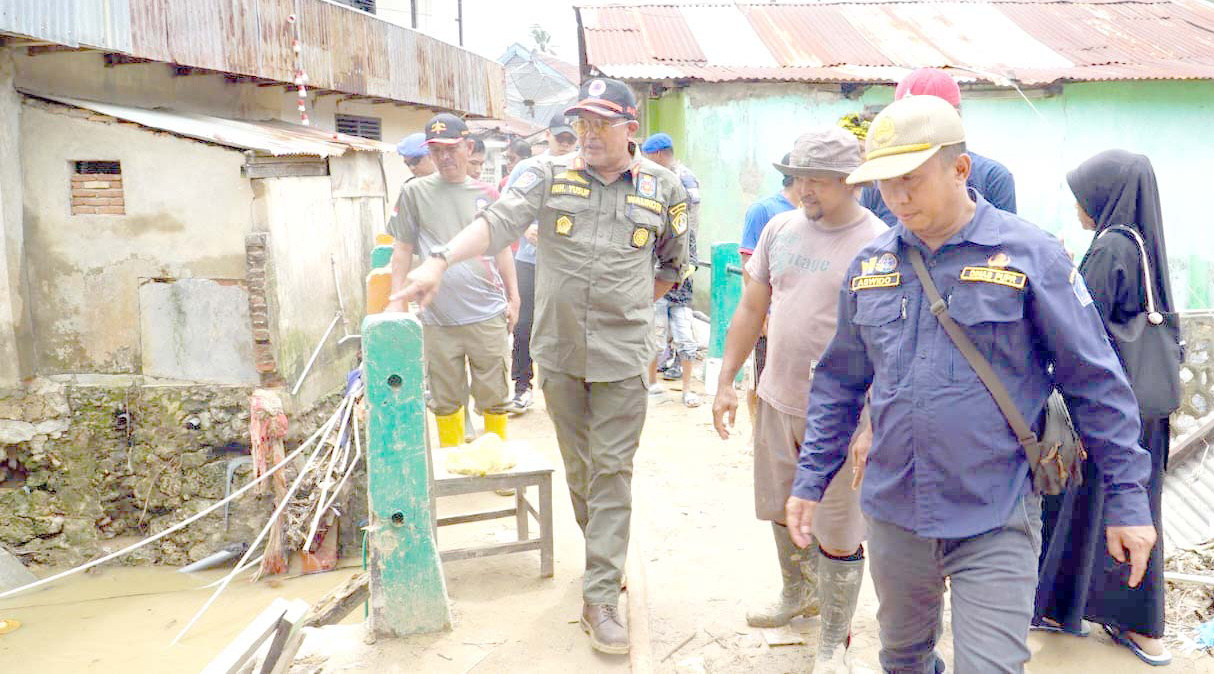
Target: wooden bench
531, 470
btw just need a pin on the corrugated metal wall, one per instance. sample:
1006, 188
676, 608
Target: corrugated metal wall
343, 50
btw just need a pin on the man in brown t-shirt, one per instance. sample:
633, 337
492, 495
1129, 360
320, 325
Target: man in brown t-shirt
796, 271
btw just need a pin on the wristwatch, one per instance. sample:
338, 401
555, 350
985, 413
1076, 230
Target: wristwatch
441, 252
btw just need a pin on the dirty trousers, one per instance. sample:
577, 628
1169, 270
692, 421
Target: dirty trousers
484, 347
838, 523
992, 578
598, 426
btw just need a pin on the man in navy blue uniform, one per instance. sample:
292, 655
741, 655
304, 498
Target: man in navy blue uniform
947, 492
990, 178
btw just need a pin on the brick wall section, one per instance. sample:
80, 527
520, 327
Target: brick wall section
97, 194
259, 309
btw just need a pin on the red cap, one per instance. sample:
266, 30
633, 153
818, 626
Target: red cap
930, 82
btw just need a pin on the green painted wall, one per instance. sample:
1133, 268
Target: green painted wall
729, 134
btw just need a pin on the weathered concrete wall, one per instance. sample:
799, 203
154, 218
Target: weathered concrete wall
16, 353
732, 132
187, 212
1197, 373
84, 460
84, 75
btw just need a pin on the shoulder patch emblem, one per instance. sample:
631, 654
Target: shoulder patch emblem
1003, 277
564, 225
999, 259
678, 218
871, 281
1080, 288
647, 186
526, 181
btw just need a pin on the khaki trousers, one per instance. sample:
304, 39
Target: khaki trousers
598, 427
452, 351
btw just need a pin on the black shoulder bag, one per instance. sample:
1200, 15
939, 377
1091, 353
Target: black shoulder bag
1150, 346
1056, 458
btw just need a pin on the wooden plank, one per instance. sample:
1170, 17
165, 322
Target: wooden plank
544, 517
339, 602
490, 550
408, 592
1188, 578
474, 484
240, 649
476, 517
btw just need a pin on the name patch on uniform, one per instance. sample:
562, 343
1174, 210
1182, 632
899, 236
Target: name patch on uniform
640, 237
566, 188
647, 186
573, 177
678, 218
870, 281
647, 204
1003, 277
564, 225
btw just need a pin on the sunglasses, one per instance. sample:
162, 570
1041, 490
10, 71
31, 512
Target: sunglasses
582, 126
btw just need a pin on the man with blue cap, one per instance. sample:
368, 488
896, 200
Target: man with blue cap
672, 313
416, 155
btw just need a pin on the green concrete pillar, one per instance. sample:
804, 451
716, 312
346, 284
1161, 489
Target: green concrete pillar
381, 256
408, 593
726, 293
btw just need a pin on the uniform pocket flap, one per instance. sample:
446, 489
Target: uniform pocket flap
974, 303
877, 307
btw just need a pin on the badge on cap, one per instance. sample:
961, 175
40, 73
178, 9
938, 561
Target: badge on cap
882, 133
438, 127
640, 237
596, 88
564, 225
886, 263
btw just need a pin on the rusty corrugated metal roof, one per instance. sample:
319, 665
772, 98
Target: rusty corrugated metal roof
1027, 41
343, 50
271, 137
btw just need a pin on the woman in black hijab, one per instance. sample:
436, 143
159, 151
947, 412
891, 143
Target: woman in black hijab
1078, 577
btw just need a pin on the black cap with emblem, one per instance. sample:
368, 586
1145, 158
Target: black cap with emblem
446, 129
607, 97
559, 124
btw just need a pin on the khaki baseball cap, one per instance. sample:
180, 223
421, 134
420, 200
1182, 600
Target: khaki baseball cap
906, 134
825, 151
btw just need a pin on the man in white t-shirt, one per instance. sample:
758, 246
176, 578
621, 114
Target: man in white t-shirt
796, 271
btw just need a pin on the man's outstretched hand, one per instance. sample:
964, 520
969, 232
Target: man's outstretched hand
1136, 544
799, 516
421, 285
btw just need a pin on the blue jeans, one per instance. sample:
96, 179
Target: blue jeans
675, 320
992, 578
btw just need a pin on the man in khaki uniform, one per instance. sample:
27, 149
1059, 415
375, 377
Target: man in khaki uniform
467, 326
604, 216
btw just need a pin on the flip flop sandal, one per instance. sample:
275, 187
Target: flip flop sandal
1119, 636
1058, 629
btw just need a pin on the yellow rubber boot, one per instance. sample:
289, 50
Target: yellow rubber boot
450, 428
495, 423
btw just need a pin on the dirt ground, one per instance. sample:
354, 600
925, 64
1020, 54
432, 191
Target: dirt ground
705, 560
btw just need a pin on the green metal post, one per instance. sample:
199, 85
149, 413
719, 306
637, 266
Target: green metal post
381, 256
408, 593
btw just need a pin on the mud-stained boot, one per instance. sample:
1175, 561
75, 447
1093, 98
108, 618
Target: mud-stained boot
798, 597
839, 581
605, 627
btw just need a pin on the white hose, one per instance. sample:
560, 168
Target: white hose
151, 539
273, 521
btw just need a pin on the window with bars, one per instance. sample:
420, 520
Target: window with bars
363, 127
367, 6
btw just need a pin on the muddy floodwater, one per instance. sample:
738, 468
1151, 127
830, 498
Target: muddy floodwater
122, 619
